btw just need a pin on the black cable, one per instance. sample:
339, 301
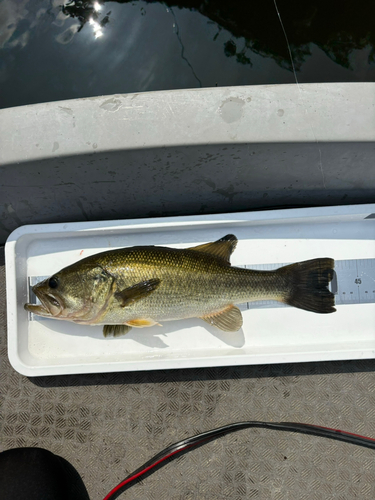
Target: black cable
205, 437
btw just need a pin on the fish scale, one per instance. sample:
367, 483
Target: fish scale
139, 286
354, 283
143, 285
186, 278
192, 284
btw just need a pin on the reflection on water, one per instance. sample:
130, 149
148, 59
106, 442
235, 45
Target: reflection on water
84, 48
87, 12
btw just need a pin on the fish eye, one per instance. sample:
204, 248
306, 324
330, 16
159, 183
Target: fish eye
53, 282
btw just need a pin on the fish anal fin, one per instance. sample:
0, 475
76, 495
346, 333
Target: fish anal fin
115, 330
222, 248
228, 320
136, 292
141, 323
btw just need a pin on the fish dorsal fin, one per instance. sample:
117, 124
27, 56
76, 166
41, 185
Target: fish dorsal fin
222, 248
228, 320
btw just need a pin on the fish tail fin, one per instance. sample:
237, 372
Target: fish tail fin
307, 284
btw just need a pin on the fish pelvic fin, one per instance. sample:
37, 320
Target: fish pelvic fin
115, 330
228, 320
222, 248
141, 323
136, 292
307, 284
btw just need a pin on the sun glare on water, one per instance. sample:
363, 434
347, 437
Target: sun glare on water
96, 27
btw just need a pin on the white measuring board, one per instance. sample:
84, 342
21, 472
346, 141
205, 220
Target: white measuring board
353, 283
267, 240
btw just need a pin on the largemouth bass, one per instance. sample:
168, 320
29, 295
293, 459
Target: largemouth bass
145, 285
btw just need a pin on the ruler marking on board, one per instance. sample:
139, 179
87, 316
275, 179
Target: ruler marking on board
358, 281
353, 283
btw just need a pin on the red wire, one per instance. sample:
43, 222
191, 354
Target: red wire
140, 473
341, 432
131, 478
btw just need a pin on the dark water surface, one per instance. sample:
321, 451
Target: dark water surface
50, 51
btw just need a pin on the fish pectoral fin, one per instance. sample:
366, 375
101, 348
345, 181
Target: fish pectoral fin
137, 291
222, 248
115, 330
228, 320
141, 323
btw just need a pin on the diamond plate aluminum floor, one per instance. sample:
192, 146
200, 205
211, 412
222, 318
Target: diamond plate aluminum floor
107, 425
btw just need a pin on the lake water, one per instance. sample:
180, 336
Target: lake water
50, 51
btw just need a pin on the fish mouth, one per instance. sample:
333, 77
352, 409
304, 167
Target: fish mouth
38, 309
49, 305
